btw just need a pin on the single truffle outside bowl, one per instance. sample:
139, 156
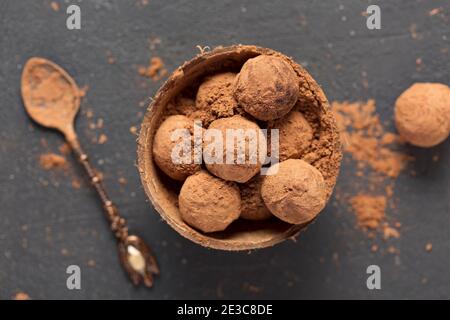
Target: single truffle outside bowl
162, 192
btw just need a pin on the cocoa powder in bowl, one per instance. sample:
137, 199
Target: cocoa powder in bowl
177, 96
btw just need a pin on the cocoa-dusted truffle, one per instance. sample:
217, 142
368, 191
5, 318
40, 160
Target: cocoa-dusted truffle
295, 192
422, 114
208, 203
245, 162
215, 95
253, 207
295, 135
267, 87
163, 146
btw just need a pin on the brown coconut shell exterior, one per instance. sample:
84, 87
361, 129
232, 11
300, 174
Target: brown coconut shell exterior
241, 235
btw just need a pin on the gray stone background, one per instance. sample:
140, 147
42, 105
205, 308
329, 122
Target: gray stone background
43, 229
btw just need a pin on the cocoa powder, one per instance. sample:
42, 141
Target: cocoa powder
379, 161
155, 70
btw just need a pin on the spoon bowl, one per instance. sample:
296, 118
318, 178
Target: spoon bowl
50, 95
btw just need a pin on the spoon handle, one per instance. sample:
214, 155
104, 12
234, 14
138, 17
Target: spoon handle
135, 255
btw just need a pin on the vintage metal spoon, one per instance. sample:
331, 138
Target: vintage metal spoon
52, 99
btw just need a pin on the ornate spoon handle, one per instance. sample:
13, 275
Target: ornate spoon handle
135, 254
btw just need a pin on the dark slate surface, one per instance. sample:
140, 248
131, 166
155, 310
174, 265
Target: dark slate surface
45, 229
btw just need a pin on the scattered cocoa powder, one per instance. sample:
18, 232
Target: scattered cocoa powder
155, 70
143, 3
64, 149
54, 5
102, 139
110, 58
429, 247
83, 91
364, 138
370, 210
435, 11
50, 161
21, 296
133, 130
379, 161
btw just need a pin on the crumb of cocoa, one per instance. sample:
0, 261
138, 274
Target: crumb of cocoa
155, 70
91, 263
143, 3
435, 11
51, 161
54, 5
110, 58
389, 190
64, 149
83, 91
89, 114
122, 181
99, 123
392, 250
21, 296
44, 143
413, 32
435, 158
133, 130
429, 247
374, 248
252, 288
102, 139
76, 184
64, 252
390, 232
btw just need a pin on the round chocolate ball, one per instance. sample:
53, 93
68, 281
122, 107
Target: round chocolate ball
267, 87
422, 114
294, 191
178, 166
208, 203
236, 158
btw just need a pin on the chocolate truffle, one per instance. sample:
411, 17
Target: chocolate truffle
295, 135
240, 156
422, 114
295, 192
215, 95
163, 146
252, 204
208, 203
267, 87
